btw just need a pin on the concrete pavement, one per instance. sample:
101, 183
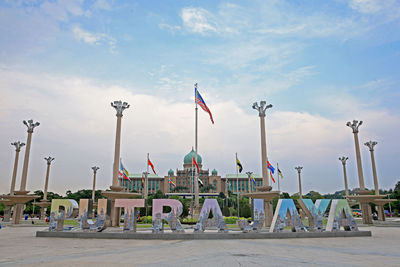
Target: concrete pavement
20, 247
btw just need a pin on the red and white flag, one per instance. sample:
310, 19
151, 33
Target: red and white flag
151, 165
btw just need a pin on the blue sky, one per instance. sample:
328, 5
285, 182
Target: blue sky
319, 64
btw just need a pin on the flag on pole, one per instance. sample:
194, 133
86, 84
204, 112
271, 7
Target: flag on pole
270, 167
171, 182
239, 165
199, 100
254, 180
123, 172
280, 173
143, 182
151, 165
200, 181
195, 164
272, 177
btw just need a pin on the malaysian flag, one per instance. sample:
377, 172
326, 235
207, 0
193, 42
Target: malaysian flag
201, 103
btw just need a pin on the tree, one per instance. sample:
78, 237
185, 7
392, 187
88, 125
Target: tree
313, 195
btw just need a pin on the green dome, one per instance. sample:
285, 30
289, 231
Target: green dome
214, 172
170, 172
188, 158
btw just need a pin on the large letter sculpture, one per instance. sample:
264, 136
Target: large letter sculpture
58, 215
216, 221
172, 217
286, 215
129, 206
103, 213
85, 214
258, 218
315, 212
340, 214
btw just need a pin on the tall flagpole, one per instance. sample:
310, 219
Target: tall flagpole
191, 176
279, 187
196, 184
237, 185
147, 182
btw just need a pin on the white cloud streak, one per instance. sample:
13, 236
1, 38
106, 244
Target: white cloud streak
198, 20
93, 38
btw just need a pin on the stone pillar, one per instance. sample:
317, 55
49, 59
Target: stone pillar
95, 168
18, 146
298, 168
19, 208
366, 210
380, 209
26, 162
346, 188
354, 126
115, 212
46, 185
264, 158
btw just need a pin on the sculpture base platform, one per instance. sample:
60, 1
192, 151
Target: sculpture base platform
201, 236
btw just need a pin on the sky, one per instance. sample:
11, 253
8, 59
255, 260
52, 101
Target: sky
319, 63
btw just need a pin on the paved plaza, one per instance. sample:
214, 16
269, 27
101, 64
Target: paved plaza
18, 246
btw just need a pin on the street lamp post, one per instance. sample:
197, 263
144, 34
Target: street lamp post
30, 125
119, 107
298, 168
95, 169
44, 203
354, 126
365, 207
346, 188
48, 160
7, 212
22, 190
18, 145
371, 145
261, 113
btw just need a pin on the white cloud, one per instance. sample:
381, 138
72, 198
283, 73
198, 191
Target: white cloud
171, 28
198, 20
93, 38
103, 4
78, 129
62, 9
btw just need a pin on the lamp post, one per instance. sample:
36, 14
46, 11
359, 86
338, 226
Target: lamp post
354, 126
7, 212
119, 107
365, 207
371, 145
346, 188
22, 189
261, 113
95, 169
299, 168
48, 160
30, 125
44, 203
18, 145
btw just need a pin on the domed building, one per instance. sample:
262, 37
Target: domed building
181, 181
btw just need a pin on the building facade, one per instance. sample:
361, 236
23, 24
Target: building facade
181, 181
